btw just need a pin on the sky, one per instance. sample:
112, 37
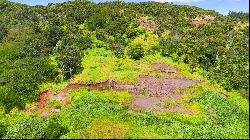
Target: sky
221, 6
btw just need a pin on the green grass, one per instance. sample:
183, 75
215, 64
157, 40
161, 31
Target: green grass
169, 103
111, 130
94, 114
100, 65
55, 87
105, 114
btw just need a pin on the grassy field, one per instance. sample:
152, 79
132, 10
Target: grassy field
108, 114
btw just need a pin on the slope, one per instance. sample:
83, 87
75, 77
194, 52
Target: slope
111, 109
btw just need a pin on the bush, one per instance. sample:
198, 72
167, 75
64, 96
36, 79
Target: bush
135, 52
2, 131
54, 130
3, 32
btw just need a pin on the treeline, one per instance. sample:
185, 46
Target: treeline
240, 15
46, 43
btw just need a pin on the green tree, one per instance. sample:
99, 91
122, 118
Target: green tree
19, 84
54, 33
3, 32
36, 45
68, 59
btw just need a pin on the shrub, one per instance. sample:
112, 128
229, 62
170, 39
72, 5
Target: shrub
135, 52
54, 130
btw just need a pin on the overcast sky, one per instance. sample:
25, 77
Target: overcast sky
221, 6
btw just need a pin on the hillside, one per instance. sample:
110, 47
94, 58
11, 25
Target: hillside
122, 70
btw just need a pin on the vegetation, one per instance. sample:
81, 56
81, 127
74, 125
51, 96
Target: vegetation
48, 47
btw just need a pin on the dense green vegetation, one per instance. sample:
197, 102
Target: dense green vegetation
49, 46
241, 15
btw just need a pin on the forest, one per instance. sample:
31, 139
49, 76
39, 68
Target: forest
71, 50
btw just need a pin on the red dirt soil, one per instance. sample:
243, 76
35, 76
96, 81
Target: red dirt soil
47, 112
150, 92
44, 97
148, 25
202, 20
62, 95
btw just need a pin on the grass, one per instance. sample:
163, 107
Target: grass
104, 114
55, 87
169, 103
100, 65
95, 114
111, 130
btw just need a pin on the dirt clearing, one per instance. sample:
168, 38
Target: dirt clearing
150, 93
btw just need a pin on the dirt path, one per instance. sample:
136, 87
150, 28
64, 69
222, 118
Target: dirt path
62, 95
150, 93
44, 97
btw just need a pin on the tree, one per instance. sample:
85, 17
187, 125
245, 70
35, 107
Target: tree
22, 80
36, 45
54, 34
240, 15
3, 32
68, 58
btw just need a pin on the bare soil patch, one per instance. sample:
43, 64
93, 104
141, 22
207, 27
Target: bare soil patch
202, 20
148, 25
157, 91
164, 68
43, 98
145, 102
62, 95
163, 87
150, 92
156, 104
47, 112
